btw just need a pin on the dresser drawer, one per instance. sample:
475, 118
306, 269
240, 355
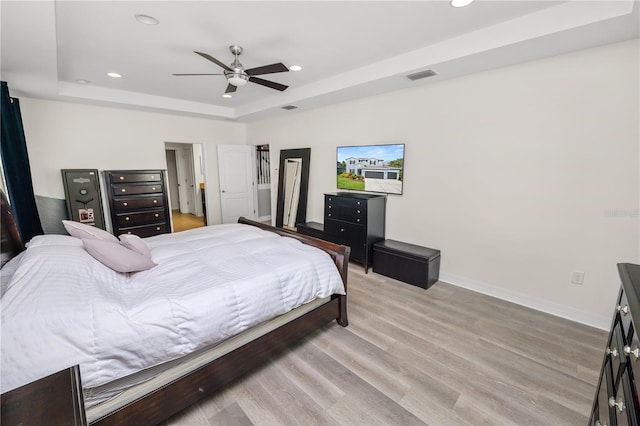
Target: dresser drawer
621, 404
125, 177
139, 202
133, 189
625, 314
147, 230
347, 230
140, 218
347, 234
350, 214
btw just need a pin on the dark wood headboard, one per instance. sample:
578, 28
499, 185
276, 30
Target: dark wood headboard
11, 243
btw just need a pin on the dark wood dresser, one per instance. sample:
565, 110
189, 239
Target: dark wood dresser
355, 220
616, 400
138, 202
53, 400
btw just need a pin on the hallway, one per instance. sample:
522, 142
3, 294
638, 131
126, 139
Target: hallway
184, 221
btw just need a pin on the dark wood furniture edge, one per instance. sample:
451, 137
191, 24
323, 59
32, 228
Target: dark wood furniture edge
162, 403
12, 243
55, 399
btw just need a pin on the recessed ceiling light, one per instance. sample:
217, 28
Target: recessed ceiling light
114, 74
461, 3
295, 68
82, 81
227, 95
146, 19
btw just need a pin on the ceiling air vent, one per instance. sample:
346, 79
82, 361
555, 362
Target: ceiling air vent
421, 74
289, 107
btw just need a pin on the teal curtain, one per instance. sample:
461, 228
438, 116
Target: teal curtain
17, 173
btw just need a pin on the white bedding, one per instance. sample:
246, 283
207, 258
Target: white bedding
61, 307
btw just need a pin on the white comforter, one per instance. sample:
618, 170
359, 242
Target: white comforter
61, 307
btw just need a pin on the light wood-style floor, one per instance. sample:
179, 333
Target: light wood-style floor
445, 356
184, 221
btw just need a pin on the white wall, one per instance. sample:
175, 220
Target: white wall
63, 135
519, 175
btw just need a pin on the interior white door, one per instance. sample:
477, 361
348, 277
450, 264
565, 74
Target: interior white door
235, 167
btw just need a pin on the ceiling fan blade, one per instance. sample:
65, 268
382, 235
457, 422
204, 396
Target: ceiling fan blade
230, 89
195, 74
267, 83
214, 60
267, 69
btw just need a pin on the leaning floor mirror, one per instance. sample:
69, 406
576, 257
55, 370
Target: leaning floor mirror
293, 183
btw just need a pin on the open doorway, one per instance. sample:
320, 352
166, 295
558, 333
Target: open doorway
186, 179
263, 189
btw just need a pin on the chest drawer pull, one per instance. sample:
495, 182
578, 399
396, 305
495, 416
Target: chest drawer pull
155, 201
121, 177
613, 352
624, 310
153, 188
619, 405
157, 215
125, 204
635, 352
123, 190
126, 218
599, 423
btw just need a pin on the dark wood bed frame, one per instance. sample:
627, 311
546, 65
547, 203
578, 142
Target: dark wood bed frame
165, 401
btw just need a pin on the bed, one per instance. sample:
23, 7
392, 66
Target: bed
149, 383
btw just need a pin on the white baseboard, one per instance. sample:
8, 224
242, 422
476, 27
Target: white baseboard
567, 312
264, 218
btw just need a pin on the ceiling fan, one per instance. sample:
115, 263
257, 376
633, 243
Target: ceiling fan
237, 76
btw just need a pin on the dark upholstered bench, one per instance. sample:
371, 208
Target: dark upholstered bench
409, 263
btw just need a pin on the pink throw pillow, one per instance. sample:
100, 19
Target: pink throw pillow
116, 256
82, 231
135, 243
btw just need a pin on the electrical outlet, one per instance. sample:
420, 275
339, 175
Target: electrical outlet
577, 277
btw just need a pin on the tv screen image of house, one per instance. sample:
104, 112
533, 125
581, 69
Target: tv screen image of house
371, 168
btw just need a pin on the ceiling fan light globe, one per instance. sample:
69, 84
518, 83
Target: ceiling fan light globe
237, 79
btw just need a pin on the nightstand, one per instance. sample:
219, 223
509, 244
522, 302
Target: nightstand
53, 400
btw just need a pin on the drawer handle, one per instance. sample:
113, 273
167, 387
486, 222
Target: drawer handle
619, 405
358, 211
121, 177
123, 190
153, 188
126, 218
613, 352
358, 202
598, 423
155, 201
329, 206
357, 220
624, 310
125, 204
157, 228
157, 215
153, 177
329, 215
635, 352
341, 229
129, 232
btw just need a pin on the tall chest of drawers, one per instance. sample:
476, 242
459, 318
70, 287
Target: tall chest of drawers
355, 220
138, 202
616, 401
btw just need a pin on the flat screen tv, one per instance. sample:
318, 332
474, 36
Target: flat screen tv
371, 168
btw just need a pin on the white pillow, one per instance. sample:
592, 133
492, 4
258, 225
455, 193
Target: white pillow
82, 231
116, 256
135, 243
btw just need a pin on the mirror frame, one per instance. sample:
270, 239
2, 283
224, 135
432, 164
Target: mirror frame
305, 154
